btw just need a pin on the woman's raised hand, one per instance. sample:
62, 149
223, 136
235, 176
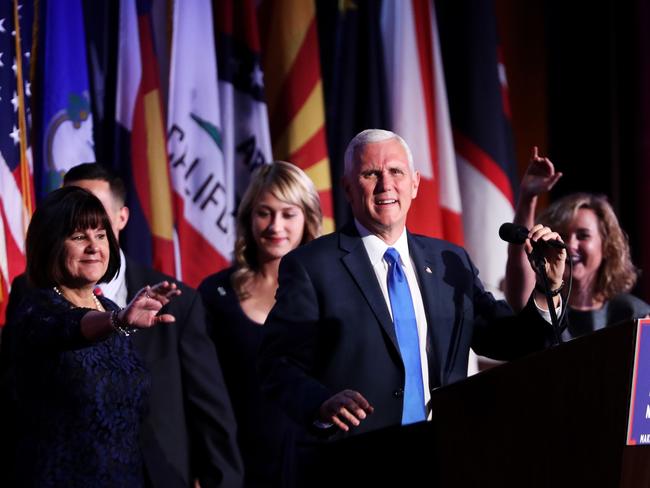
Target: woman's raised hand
540, 175
142, 311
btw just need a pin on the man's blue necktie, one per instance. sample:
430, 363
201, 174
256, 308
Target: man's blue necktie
406, 330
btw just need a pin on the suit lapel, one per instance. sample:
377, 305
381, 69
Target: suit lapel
358, 264
131, 280
429, 275
134, 281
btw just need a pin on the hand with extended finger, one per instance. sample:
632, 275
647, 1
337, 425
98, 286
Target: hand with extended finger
142, 311
345, 409
540, 175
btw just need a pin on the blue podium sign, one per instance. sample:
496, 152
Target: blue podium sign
638, 426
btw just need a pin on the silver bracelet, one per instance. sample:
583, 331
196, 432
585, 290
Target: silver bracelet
119, 326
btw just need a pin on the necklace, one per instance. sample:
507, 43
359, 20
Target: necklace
98, 305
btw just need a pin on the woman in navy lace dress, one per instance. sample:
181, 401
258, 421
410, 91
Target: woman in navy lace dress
279, 211
78, 385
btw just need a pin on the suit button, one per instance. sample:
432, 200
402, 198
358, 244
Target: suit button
399, 393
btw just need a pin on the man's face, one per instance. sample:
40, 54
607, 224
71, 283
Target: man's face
380, 188
117, 212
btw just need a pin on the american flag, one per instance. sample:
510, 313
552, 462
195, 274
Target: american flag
16, 182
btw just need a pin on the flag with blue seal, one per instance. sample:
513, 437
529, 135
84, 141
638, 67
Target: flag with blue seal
67, 137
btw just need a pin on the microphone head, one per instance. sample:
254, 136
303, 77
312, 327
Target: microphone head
513, 233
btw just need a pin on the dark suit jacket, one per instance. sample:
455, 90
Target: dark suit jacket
190, 430
331, 329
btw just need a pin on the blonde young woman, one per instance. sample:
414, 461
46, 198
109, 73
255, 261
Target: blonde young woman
279, 211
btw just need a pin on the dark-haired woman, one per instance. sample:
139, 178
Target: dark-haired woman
79, 387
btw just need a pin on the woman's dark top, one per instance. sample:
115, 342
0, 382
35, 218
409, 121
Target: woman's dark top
79, 403
621, 307
262, 427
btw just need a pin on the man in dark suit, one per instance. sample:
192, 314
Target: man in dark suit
370, 319
190, 432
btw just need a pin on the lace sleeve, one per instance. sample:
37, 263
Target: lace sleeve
46, 321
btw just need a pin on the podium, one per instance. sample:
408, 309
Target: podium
557, 418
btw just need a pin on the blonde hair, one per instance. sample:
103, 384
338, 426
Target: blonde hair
288, 183
616, 274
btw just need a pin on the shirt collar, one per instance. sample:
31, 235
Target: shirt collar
376, 248
118, 280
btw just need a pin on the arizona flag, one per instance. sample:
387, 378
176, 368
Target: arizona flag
202, 181
16, 185
141, 142
68, 124
295, 92
418, 106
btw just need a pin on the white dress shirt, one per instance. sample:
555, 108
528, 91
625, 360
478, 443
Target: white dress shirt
376, 248
115, 289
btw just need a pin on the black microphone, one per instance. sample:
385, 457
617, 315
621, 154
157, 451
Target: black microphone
517, 234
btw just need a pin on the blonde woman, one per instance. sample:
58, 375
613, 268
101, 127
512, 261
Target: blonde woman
279, 211
603, 272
